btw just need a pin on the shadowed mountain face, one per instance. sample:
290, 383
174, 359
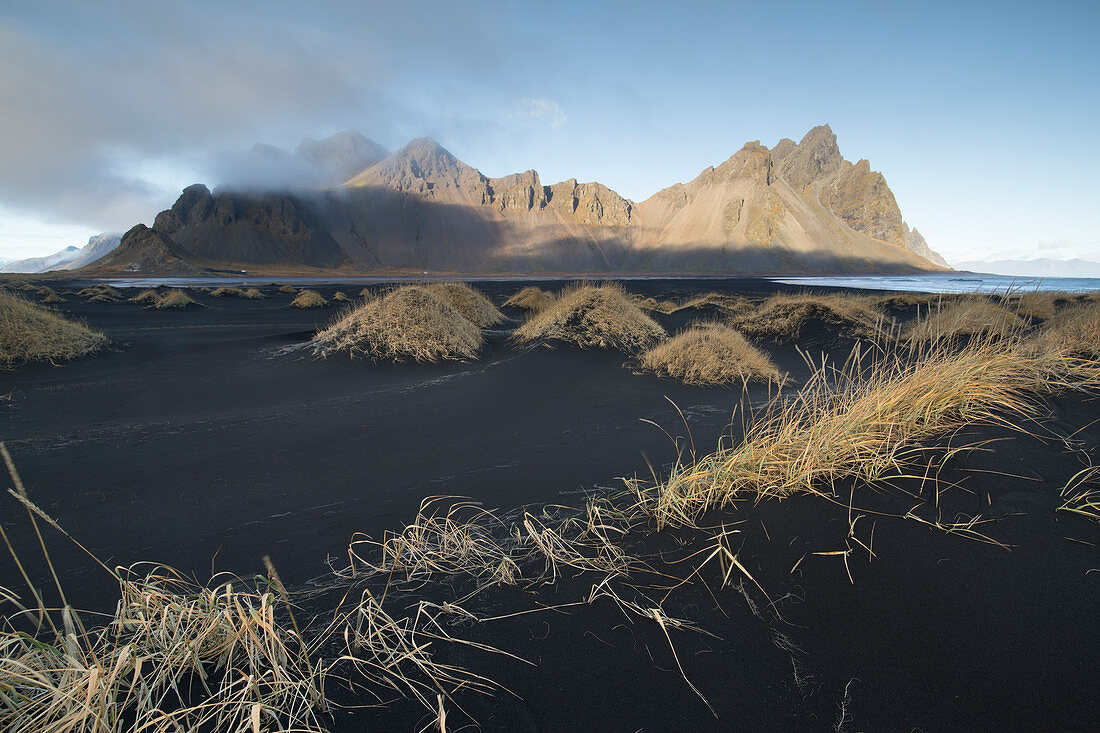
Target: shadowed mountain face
796, 209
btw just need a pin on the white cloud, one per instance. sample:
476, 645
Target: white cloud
534, 110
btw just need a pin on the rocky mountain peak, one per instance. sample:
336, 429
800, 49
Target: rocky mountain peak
193, 206
816, 156
341, 156
429, 155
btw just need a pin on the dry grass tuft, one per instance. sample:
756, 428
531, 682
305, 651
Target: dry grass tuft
29, 332
308, 299
254, 294
100, 294
175, 299
175, 657
53, 299
964, 319
783, 315
908, 300
719, 301
1042, 304
227, 293
652, 304
593, 317
288, 290
447, 544
867, 424
710, 353
530, 299
1075, 330
146, 297
179, 656
407, 323
471, 303
1081, 494
340, 297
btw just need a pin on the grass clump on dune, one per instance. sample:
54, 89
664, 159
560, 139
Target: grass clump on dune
340, 297
146, 297
410, 323
253, 294
471, 303
530, 299
710, 353
53, 299
100, 294
288, 290
652, 304
224, 292
308, 299
719, 301
1042, 304
1075, 330
783, 315
29, 332
965, 319
908, 300
864, 424
593, 317
175, 299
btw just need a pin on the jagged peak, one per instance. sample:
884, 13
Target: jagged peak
783, 148
424, 158
195, 188
350, 141
423, 147
816, 155
820, 132
527, 177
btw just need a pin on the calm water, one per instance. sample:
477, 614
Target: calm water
940, 283
953, 282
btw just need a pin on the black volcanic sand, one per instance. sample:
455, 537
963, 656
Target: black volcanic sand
204, 440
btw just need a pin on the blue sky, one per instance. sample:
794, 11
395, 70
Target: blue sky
982, 116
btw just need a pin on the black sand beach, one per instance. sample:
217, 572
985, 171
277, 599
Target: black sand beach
207, 438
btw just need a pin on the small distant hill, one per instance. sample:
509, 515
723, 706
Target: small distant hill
1041, 267
70, 258
798, 208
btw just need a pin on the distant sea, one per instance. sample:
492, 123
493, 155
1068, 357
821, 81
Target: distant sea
948, 282
952, 282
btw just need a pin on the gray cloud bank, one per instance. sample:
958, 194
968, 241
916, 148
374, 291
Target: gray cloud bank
103, 100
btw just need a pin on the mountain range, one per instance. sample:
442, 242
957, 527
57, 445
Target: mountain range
70, 258
1040, 267
797, 208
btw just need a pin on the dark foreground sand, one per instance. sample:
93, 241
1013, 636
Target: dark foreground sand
204, 442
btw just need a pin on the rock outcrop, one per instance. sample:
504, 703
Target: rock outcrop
147, 251
915, 243
256, 228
